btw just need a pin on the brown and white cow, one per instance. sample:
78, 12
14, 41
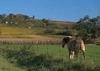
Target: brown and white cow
74, 45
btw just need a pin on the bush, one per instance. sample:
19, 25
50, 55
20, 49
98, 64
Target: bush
50, 31
64, 33
69, 32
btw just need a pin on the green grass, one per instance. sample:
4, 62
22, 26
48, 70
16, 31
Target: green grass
92, 51
52, 62
6, 66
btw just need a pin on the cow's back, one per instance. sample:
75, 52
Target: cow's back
76, 44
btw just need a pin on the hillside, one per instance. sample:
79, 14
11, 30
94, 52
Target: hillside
64, 24
39, 23
35, 28
45, 23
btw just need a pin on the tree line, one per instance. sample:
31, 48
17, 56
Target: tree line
88, 27
12, 18
25, 21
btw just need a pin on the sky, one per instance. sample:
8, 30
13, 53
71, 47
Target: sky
59, 10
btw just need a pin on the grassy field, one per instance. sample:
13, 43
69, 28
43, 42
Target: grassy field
92, 51
41, 60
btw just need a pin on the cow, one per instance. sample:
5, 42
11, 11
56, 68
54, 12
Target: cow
74, 45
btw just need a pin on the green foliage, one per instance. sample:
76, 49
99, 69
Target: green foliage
50, 24
5, 65
50, 31
69, 32
88, 28
64, 33
21, 20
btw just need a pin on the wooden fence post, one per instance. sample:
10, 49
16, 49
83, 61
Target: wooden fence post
60, 47
59, 50
47, 46
37, 46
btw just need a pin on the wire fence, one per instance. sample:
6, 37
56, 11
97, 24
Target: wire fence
34, 43
37, 43
31, 41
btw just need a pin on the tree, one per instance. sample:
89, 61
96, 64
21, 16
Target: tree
98, 20
33, 17
83, 27
11, 16
95, 27
46, 21
88, 28
19, 17
26, 17
3, 18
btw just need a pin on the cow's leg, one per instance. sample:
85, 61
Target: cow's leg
72, 54
84, 55
69, 54
77, 54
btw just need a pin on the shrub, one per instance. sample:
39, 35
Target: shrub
64, 33
50, 31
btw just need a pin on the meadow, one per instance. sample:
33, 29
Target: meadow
52, 53
92, 51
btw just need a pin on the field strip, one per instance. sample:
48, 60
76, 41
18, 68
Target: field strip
22, 36
30, 41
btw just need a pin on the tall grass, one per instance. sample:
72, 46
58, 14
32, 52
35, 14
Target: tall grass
5, 65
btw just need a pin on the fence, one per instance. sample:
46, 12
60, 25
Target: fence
30, 41
34, 43
93, 41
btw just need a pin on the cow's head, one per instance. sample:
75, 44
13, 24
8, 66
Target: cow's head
65, 41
